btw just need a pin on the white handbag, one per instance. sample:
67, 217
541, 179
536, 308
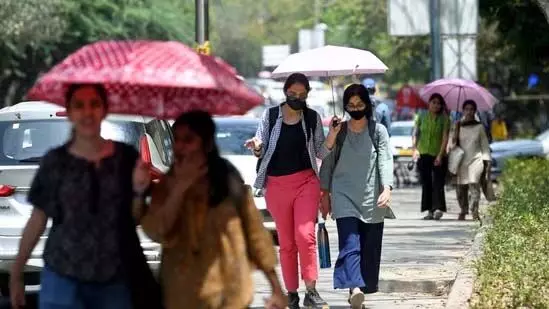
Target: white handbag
454, 159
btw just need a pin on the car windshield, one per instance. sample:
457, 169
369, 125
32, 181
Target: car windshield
25, 142
232, 135
401, 130
543, 136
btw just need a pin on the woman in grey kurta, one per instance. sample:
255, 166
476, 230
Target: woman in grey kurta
471, 137
357, 190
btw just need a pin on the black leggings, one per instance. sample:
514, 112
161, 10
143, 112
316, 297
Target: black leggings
433, 179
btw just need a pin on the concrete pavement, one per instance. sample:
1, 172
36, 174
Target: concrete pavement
420, 258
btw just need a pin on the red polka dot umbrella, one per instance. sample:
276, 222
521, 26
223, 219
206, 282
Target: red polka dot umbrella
150, 78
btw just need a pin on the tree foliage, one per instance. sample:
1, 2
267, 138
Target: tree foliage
31, 20
518, 40
241, 27
363, 24
39, 33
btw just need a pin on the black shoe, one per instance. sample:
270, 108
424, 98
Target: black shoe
314, 301
293, 300
430, 216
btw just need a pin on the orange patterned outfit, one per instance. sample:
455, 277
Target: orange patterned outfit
210, 252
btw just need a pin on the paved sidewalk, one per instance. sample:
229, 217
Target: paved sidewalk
419, 260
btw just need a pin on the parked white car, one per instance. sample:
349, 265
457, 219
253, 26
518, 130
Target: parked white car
27, 131
401, 138
232, 132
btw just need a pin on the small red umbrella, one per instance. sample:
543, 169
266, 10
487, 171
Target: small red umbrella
150, 78
408, 96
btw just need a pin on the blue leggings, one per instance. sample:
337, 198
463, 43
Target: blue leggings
357, 265
59, 292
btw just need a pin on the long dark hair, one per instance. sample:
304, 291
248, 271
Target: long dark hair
443, 106
471, 103
362, 92
219, 169
297, 78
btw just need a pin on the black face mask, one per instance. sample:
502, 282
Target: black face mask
357, 115
296, 104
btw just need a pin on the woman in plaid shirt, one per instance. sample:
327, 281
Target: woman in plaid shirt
289, 150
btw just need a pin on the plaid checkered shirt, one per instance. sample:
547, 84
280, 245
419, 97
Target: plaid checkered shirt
315, 145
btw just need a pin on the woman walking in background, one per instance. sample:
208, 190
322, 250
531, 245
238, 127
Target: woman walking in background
288, 142
430, 140
472, 139
357, 195
209, 227
93, 258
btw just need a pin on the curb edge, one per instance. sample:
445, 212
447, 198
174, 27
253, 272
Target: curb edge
462, 289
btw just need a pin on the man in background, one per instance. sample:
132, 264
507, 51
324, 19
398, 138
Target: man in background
382, 111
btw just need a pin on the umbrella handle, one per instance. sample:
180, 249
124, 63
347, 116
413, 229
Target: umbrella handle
333, 95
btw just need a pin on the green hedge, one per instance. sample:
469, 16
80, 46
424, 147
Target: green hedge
514, 269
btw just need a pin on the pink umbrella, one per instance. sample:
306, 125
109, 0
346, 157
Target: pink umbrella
150, 78
456, 91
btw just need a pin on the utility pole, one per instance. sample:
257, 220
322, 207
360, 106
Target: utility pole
436, 54
202, 28
317, 13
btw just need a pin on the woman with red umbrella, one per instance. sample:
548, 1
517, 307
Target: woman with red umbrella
93, 258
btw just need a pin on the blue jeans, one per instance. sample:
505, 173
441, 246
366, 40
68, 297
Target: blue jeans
357, 265
59, 292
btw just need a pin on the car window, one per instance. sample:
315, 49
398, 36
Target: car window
25, 142
231, 136
402, 130
160, 132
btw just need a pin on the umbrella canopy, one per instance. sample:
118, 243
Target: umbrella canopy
331, 61
408, 96
150, 78
457, 91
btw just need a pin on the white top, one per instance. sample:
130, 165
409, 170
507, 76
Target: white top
474, 142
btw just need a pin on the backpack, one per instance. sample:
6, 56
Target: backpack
310, 125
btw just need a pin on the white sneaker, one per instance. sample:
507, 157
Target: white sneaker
356, 299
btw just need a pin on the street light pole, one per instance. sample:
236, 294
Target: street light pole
202, 28
317, 13
436, 54
200, 21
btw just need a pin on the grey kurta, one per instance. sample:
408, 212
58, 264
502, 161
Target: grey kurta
359, 175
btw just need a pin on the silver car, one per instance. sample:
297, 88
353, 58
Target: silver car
27, 131
519, 148
232, 132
